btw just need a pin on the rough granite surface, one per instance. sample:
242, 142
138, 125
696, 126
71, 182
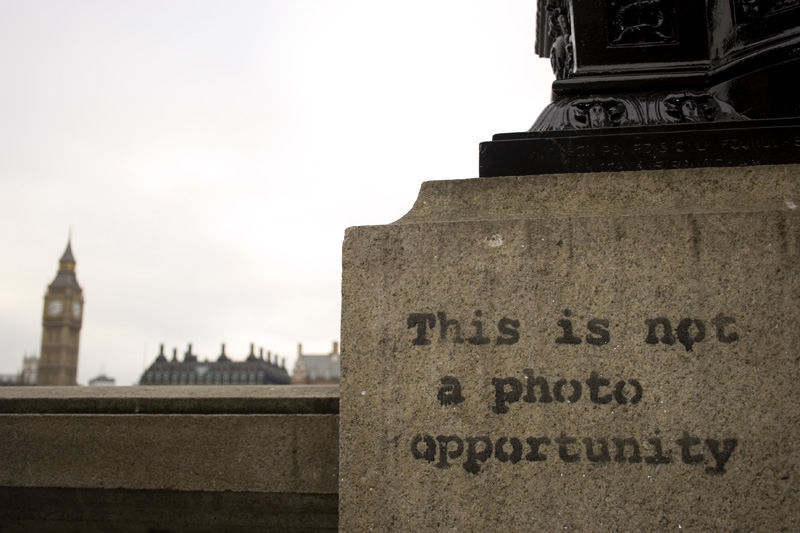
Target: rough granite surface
191, 459
593, 352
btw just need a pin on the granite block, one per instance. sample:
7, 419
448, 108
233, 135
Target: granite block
593, 352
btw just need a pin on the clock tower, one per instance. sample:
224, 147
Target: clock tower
61, 325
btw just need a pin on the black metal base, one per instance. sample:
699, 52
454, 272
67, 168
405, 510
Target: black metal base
719, 144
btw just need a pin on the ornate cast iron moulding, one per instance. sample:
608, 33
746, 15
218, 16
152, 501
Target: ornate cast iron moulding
655, 67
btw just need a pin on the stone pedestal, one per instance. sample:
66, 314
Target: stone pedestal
582, 352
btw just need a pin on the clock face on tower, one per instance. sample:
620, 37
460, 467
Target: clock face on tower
54, 308
76, 309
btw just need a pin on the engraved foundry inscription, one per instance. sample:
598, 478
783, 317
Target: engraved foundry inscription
711, 150
529, 390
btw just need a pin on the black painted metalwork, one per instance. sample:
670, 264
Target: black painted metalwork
661, 71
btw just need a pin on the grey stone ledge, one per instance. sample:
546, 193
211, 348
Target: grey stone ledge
195, 400
649, 192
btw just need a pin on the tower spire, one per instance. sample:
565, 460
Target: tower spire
67, 257
61, 324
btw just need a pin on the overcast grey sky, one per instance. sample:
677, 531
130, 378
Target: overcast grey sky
209, 155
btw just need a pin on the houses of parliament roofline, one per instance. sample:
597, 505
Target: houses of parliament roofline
254, 370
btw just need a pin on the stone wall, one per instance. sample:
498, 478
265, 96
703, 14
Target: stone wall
169, 459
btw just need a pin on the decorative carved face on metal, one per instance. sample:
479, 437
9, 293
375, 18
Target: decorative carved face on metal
598, 116
691, 108
598, 113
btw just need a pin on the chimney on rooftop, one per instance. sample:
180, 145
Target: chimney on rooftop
335, 352
223, 356
188, 357
161, 358
252, 355
299, 349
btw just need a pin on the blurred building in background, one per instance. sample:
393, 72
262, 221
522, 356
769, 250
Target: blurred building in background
102, 381
27, 376
254, 370
317, 369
